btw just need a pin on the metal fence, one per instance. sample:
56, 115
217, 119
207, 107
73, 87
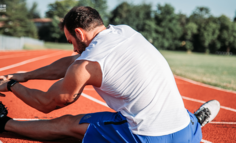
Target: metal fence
15, 43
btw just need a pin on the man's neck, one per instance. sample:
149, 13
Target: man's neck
93, 33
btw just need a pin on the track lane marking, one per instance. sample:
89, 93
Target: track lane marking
205, 141
25, 119
21, 72
229, 123
204, 85
29, 61
16, 55
95, 100
200, 101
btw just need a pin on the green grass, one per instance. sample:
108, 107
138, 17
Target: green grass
49, 45
63, 46
219, 71
33, 47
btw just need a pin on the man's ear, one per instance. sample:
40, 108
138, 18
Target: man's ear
79, 32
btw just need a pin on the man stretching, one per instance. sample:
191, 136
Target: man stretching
126, 70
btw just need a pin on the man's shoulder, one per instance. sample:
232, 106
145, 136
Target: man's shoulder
89, 68
87, 65
121, 26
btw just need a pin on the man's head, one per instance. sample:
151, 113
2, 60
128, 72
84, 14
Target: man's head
77, 23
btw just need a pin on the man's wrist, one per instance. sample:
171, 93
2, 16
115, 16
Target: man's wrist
26, 76
10, 84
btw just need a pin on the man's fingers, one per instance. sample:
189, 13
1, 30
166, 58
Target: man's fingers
3, 77
2, 95
6, 77
9, 76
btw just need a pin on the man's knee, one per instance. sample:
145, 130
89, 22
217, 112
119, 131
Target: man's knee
69, 125
77, 128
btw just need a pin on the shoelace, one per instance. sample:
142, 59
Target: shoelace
203, 114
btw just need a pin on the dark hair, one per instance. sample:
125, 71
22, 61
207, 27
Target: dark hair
86, 18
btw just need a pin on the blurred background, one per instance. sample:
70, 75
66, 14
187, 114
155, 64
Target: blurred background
198, 38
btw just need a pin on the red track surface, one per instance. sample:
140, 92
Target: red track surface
213, 132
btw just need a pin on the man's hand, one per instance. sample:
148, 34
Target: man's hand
20, 77
3, 85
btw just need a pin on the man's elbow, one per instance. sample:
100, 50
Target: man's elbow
45, 110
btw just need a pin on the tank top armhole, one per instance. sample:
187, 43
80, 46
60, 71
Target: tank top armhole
101, 67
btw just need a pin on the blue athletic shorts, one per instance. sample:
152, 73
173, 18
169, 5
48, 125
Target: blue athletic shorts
108, 127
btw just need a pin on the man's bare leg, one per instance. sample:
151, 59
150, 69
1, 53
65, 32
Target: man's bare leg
57, 128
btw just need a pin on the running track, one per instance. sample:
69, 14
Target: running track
221, 130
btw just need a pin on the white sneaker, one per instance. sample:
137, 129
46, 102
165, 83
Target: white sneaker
207, 112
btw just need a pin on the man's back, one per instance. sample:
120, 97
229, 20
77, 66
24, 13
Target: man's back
137, 81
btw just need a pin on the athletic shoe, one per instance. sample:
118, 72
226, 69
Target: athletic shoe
3, 117
207, 112
3, 110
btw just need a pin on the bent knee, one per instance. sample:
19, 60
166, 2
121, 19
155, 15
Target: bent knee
70, 126
77, 128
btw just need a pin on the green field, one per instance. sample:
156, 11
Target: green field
63, 46
49, 45
216, 70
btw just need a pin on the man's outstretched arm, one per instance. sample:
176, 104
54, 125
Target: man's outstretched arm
56, 70
63, 92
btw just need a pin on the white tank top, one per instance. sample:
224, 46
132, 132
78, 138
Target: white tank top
137, 81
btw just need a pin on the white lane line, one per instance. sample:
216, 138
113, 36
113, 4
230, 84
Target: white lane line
205, 141
36, 119
94, 99
204, 85
23, 119
16, 55
21, 72
29, 61
229, 123
200, 101
84, 95
191, 99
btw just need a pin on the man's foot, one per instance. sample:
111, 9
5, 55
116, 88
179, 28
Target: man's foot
207, 112
3, 117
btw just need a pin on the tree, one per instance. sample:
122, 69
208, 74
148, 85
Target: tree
138, 17
52, 32
55, 32
56, 11
199, 15
182, 18
227, 35
168, 28
60, 8
208, 33
32, 12
189, 30
16, 22
99, 5
208, 30
122, 14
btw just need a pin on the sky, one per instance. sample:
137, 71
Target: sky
217, 7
